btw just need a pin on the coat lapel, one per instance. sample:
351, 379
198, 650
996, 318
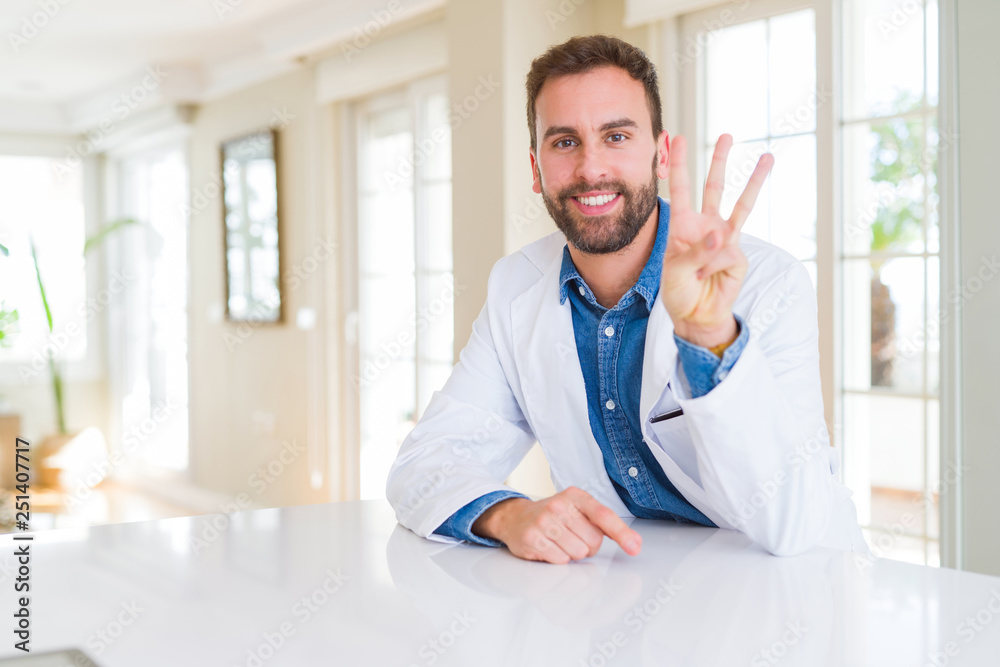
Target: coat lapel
555, 398
659, 362
659, 358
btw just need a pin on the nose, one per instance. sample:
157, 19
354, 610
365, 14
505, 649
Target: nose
590, 167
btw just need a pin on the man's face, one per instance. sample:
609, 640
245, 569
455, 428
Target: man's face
597, 163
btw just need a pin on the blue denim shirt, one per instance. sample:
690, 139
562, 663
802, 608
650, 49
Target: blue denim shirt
610, 344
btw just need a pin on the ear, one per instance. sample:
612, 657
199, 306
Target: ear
663, 155
536, 177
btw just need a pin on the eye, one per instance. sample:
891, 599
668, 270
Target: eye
616, 138
564, 143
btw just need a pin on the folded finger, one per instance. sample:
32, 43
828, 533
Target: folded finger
729, 258
567, 540
538, 546
698, 255
590, 534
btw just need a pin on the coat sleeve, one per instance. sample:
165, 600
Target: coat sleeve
760, 438
470, 438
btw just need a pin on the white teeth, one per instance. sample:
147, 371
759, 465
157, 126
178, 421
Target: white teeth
599, 200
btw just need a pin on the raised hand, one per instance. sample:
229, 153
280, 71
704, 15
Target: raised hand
703, 266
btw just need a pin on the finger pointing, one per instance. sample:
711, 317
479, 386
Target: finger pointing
611, 525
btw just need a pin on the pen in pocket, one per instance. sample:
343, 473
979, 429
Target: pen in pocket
666, 415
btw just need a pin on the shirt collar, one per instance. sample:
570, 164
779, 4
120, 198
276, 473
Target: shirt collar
648, 283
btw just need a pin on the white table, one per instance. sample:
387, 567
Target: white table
379, 595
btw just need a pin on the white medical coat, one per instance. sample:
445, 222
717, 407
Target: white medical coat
753, 454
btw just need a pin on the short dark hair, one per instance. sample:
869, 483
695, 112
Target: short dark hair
582, 54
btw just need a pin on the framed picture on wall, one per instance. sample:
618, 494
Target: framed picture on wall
251, 228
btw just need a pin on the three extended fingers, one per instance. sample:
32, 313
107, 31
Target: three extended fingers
680, 184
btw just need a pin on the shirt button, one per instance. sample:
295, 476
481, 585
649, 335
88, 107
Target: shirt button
633, 471
583, 292
722, 375
610, 405
609, 332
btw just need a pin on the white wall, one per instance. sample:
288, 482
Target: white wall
251, 396
978, 90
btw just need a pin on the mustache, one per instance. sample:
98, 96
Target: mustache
583, 188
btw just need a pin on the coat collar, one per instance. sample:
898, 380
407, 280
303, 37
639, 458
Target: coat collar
648, 284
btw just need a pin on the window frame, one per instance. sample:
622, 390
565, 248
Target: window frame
683, 83
139, 470
846, 123
352, 119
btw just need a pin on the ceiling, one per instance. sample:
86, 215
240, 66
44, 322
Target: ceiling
66, 62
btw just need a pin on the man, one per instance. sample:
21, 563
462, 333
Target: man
666, 364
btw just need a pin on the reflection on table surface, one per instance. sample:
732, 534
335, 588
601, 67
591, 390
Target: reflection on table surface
344, 584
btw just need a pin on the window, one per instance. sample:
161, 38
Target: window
150, 375
405, 283
763, 72
760, 86
890, 270
43, 204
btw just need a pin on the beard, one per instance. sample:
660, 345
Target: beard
603, 234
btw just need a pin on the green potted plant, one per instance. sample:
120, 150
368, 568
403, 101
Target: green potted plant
8, 318
52, 444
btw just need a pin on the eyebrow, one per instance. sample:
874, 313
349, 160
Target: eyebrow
610, 125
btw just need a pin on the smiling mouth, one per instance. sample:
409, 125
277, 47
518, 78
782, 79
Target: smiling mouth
597, 200
596, 205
